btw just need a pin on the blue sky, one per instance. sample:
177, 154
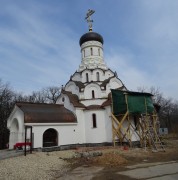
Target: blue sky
39, 41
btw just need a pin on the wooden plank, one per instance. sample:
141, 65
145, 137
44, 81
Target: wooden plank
120, 128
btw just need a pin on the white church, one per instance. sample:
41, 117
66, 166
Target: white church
82, 113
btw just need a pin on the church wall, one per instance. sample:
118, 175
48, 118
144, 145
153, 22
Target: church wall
63, 99
95, 76
113, 84
67, 134
92, 101
109, 74
71, 87
92, 75
92, 87
76, 77
81, 124
98, 134
108, 124
16, 126
84, 76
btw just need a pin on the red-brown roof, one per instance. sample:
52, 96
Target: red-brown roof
106, 103
46, 113
73, 99
92, 107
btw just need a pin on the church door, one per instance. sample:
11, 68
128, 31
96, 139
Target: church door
50, 138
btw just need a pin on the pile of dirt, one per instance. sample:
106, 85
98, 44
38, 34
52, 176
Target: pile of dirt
109, 159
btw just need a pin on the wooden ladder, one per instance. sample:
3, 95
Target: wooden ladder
156, 143
151, 135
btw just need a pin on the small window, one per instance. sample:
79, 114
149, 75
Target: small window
97, 76
94, 121
91, 49
63, 99
87, 77
98, 51
84, 53
93, 94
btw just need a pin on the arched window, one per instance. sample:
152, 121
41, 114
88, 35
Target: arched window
94, 124
91, 49
84, 53
98, 51
93, 94
87, 79
97, 76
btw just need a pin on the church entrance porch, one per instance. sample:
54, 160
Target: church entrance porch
16, 134
50, 138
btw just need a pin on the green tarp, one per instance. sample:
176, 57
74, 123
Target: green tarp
137, 103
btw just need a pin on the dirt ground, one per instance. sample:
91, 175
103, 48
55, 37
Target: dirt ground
121, 155
116, 159
67, 164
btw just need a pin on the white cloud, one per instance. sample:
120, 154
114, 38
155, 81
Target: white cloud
39, 53
131, 76
163, 75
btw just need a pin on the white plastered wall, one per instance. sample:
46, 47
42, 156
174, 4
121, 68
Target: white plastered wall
63, 99
76, 76
108, 74
92, 87
108, 124
15, 124
93, 102
114, 83
67, 134
71, 87
98, 134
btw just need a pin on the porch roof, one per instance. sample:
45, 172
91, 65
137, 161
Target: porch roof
46, 113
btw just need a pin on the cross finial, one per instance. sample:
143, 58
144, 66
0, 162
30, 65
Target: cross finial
89, 21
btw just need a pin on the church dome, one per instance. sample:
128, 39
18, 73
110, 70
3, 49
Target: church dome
91, 36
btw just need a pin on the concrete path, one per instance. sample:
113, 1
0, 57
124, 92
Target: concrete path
82, 173
150, 171
4, 154
153, 171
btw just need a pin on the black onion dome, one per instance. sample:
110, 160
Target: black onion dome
91, 36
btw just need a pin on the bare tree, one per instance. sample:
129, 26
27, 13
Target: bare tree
169, 108
155, 91
51, 93
6, 105
46, 95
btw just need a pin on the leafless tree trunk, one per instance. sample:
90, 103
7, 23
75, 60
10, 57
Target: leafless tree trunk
6, 105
